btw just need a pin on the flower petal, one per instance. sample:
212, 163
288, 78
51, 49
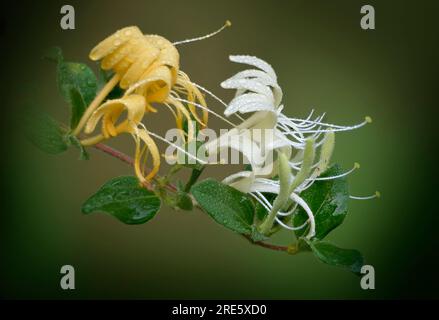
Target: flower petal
254, 61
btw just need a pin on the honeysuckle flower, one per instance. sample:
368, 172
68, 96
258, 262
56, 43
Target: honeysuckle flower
257, 92
110, 112
297, 143
147, 65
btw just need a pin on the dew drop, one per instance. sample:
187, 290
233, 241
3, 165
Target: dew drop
117, 43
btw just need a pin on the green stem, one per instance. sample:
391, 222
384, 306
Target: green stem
193, 178
267, 224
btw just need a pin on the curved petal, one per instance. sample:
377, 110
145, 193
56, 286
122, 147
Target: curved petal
248, 85
134, 104
249, 102
112, 42
254, 61
152, 148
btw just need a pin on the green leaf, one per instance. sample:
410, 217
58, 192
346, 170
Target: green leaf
328, 200
78, 107
44, 132
349, 259
83, 154
125, 199
226, 205
77, 84
79, 76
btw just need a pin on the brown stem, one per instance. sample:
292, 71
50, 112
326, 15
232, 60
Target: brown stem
114, 153
267, 245
127, 159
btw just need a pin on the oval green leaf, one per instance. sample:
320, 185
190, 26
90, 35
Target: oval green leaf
125, 199
44, 132
77, 84
328, 200
349, 259
226, 205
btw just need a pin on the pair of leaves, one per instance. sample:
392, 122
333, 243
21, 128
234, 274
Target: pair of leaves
327, 198
77, 84
124, 199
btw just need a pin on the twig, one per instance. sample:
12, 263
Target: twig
127, 159
114, 153
268, 245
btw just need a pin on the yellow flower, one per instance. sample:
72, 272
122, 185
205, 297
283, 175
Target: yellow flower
110, 112
148, 68
149, 65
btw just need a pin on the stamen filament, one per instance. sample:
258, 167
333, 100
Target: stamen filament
356, 166
226, 24
376, 195
213, 96
177, 147
290, 227
207, 109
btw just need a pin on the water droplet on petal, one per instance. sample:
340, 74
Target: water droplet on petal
117, 43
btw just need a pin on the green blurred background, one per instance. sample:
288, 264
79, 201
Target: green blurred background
323, 59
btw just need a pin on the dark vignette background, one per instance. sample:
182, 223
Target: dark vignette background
323, 59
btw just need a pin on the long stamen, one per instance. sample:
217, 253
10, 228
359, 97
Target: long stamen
290, 227
213, 96
261, 199
340, 128
366, 120
177, 147
376, 195
287, 213
356, 166
226, 24
311, 220
207, 109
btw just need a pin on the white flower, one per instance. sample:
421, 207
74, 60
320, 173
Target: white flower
303, 146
